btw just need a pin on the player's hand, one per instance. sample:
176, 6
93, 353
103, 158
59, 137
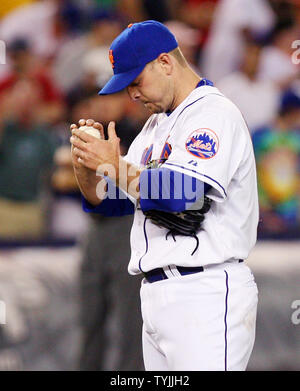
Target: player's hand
93, 153
83, 122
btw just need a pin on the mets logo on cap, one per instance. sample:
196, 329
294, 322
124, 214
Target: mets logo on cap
203, 143
111, 58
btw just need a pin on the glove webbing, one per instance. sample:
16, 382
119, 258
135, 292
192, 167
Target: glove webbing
186, 223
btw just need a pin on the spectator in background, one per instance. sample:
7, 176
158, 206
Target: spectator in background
27, 70
7, 6
276, 59
285, 10
257, 100
199, 15
67, 222
104, 26
34, 22
131, 10
234, 21
29, 105
137, 10
43, 23
95, 69
188, 40
26, 156
277, 151
157, 10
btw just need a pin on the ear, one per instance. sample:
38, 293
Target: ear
166, 62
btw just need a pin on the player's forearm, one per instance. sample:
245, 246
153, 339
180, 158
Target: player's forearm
127, 177
87, 181
102, 157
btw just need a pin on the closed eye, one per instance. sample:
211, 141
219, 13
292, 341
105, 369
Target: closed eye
137, 82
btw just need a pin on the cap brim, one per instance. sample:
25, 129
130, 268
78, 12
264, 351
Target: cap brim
120, 81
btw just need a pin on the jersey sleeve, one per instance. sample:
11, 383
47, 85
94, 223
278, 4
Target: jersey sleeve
169, 191
116, 202
209, 145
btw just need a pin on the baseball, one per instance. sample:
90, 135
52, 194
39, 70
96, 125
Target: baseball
91, 130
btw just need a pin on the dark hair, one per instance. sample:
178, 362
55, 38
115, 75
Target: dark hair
290, 101
18, 45
282, 25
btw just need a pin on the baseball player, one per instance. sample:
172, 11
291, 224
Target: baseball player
189, 178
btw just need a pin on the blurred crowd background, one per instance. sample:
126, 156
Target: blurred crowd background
56, 61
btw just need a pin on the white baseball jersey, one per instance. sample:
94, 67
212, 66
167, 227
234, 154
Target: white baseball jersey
205, 137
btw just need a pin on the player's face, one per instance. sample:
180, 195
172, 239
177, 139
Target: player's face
152, 88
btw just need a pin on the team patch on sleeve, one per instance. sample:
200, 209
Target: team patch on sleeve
203, 143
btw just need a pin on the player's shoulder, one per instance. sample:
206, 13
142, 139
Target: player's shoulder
218, 102
217, 106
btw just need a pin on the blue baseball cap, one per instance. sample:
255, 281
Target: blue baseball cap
139, 44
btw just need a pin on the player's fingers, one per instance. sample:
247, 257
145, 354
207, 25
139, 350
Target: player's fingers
78, 152
83, 162
90, 122
73, 126
76, 142
111, 131
81, 122
83, 135
99, 126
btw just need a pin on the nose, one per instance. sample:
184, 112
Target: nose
133, 93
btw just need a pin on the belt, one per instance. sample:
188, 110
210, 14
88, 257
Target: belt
163, 273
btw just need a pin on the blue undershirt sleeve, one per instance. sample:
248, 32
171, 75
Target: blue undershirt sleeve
116, 203
169, 191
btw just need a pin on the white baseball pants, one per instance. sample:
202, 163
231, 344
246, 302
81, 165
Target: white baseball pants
200, 322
